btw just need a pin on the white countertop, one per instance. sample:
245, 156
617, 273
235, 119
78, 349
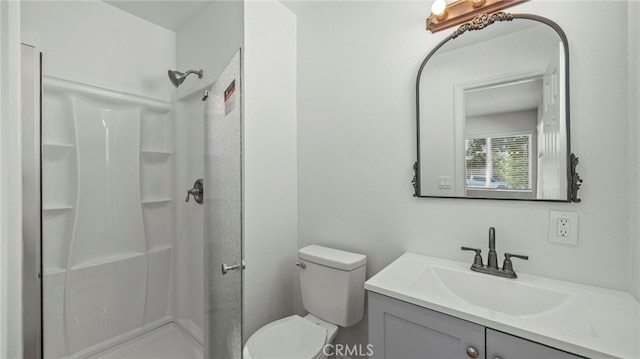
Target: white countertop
595, 322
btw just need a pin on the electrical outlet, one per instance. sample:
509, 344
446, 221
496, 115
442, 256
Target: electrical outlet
563, 227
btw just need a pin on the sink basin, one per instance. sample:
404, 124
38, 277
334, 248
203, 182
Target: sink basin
499, 294
507, 296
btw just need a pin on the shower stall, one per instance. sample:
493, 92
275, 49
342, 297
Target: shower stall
107, 207
121, 265
107, 222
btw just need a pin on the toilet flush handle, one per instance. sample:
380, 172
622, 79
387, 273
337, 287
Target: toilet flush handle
302, 265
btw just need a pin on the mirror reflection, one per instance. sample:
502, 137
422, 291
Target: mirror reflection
493, 115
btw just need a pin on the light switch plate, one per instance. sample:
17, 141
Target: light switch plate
444, 182
563, 227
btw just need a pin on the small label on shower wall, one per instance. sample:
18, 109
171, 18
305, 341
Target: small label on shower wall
230, 98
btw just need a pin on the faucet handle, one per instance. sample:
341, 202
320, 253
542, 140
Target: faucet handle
477, 260
507, 265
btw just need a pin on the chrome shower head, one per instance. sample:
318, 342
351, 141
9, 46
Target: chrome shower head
178, 77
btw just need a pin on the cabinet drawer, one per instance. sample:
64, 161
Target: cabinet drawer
504, 346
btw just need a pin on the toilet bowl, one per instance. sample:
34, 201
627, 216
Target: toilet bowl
332, 288
292, 337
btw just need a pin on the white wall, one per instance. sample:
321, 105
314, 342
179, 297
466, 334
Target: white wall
270, 163
634, 148
10, 183
357, 64
519, 121
207, 42
119, 51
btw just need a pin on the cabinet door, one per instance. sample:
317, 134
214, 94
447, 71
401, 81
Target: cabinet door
505, 346
399, 330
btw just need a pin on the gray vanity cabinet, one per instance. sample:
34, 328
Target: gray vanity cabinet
400, 330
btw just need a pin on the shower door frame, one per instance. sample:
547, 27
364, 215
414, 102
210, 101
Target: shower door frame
31, 91
223, 236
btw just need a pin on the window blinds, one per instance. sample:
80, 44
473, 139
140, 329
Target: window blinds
503, 161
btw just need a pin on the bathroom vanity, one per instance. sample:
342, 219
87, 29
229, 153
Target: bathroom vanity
402, 330
425, 307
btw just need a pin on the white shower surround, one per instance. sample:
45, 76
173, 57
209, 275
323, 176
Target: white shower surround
107, 216
138, 54
104, 74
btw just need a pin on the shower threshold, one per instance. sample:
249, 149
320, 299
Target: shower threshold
165, 342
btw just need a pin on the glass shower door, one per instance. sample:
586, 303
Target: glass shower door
223, 215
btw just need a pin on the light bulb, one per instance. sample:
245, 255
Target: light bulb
438, 8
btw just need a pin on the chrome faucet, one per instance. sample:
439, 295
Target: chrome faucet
492, 260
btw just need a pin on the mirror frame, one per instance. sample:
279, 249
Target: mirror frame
478, 23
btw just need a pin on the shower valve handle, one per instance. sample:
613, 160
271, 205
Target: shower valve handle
197, 192
191, 192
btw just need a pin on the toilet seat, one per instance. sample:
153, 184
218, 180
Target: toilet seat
289, 338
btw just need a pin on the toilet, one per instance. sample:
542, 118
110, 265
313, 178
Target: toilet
332, 286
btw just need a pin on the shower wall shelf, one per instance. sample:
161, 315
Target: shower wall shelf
102, 261
156, 179
54, 271
57, 147
159, 249
157, 201
155, 155
156, 152
51, 208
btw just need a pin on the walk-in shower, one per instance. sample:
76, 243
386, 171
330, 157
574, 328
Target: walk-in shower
122, 255
177, 77
128, 268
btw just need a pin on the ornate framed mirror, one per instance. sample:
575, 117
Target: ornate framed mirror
493, 111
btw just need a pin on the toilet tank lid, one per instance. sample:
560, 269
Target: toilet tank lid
331, 257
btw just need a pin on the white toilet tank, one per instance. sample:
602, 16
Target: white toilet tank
332, 284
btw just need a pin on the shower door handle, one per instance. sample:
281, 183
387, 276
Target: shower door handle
236, 266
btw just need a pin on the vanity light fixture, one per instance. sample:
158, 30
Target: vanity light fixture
445, 15
439, 9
